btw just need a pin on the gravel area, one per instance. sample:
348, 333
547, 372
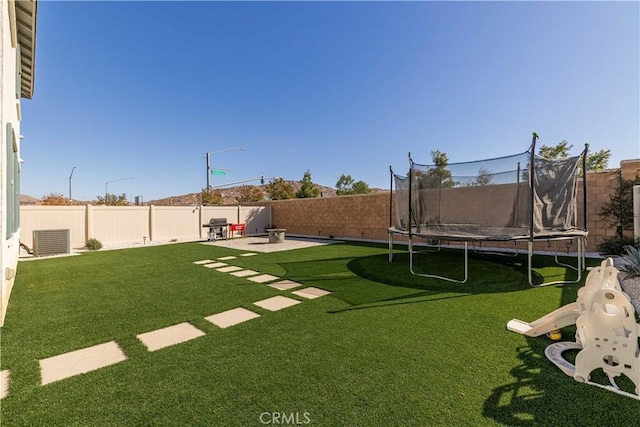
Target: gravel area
629, 284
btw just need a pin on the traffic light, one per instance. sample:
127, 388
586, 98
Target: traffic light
261, 179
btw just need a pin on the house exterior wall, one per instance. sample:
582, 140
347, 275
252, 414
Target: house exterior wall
9, 151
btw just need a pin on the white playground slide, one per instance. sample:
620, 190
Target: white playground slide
564, 316
606, 334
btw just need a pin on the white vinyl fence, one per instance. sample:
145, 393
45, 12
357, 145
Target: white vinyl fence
131, 224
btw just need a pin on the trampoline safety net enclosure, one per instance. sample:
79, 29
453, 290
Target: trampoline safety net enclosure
522, 197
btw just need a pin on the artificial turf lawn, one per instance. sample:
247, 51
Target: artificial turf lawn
384, 348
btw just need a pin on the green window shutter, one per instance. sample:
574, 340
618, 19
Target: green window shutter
9, 197
12, 194
16, 191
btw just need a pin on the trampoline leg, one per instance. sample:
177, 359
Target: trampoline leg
530, 262
434, 276
390, 247
579, 268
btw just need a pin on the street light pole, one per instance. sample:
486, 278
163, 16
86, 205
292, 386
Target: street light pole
74, 168
208, 157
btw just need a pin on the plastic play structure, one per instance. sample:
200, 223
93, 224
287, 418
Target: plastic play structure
606, 332
518, 198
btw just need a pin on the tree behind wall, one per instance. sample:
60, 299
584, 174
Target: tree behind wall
437, 175
210, 197
278, 189
595, 161
619, 209
113, 200
347, 186
307, 190
55, 199
248, 194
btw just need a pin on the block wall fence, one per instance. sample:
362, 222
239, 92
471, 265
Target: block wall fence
136, 224
361, 217
366, 217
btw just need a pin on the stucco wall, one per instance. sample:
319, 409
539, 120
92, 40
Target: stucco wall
9, 115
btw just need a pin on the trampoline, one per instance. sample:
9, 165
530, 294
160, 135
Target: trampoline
517, 198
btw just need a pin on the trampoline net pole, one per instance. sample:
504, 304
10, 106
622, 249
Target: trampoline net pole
532, 185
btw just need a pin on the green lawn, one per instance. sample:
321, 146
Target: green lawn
385, 348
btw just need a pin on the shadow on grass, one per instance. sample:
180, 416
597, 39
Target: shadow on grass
371, 280
541, 394
532, 398
487, 274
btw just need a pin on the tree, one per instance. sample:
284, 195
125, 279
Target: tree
595, 161
437, 176
559, 152
347, 186
278, 189
55, 199
361, 187
307, 190
344, 185
619, 209
485, 177
210, 197
249, 193
113, 200
598, 160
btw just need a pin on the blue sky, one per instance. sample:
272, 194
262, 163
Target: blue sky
143, 90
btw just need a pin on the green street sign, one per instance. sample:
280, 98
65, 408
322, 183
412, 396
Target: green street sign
218, 172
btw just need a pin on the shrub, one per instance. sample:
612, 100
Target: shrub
93, 244
619, 209
615, 245
631, 261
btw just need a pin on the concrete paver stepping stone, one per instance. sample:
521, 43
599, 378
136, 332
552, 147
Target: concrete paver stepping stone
227, 258
277, 303
171, 335
263, 278
249, 254
244, 273
284, 285
232, 317
311, 293
4, 383
204, 261
229, 269
78, 362
215, 265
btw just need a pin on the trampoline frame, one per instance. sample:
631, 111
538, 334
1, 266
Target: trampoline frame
579, 235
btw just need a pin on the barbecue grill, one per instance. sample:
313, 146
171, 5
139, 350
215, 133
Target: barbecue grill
218, 228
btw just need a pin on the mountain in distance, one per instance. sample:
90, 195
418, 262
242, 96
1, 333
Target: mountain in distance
231, 194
